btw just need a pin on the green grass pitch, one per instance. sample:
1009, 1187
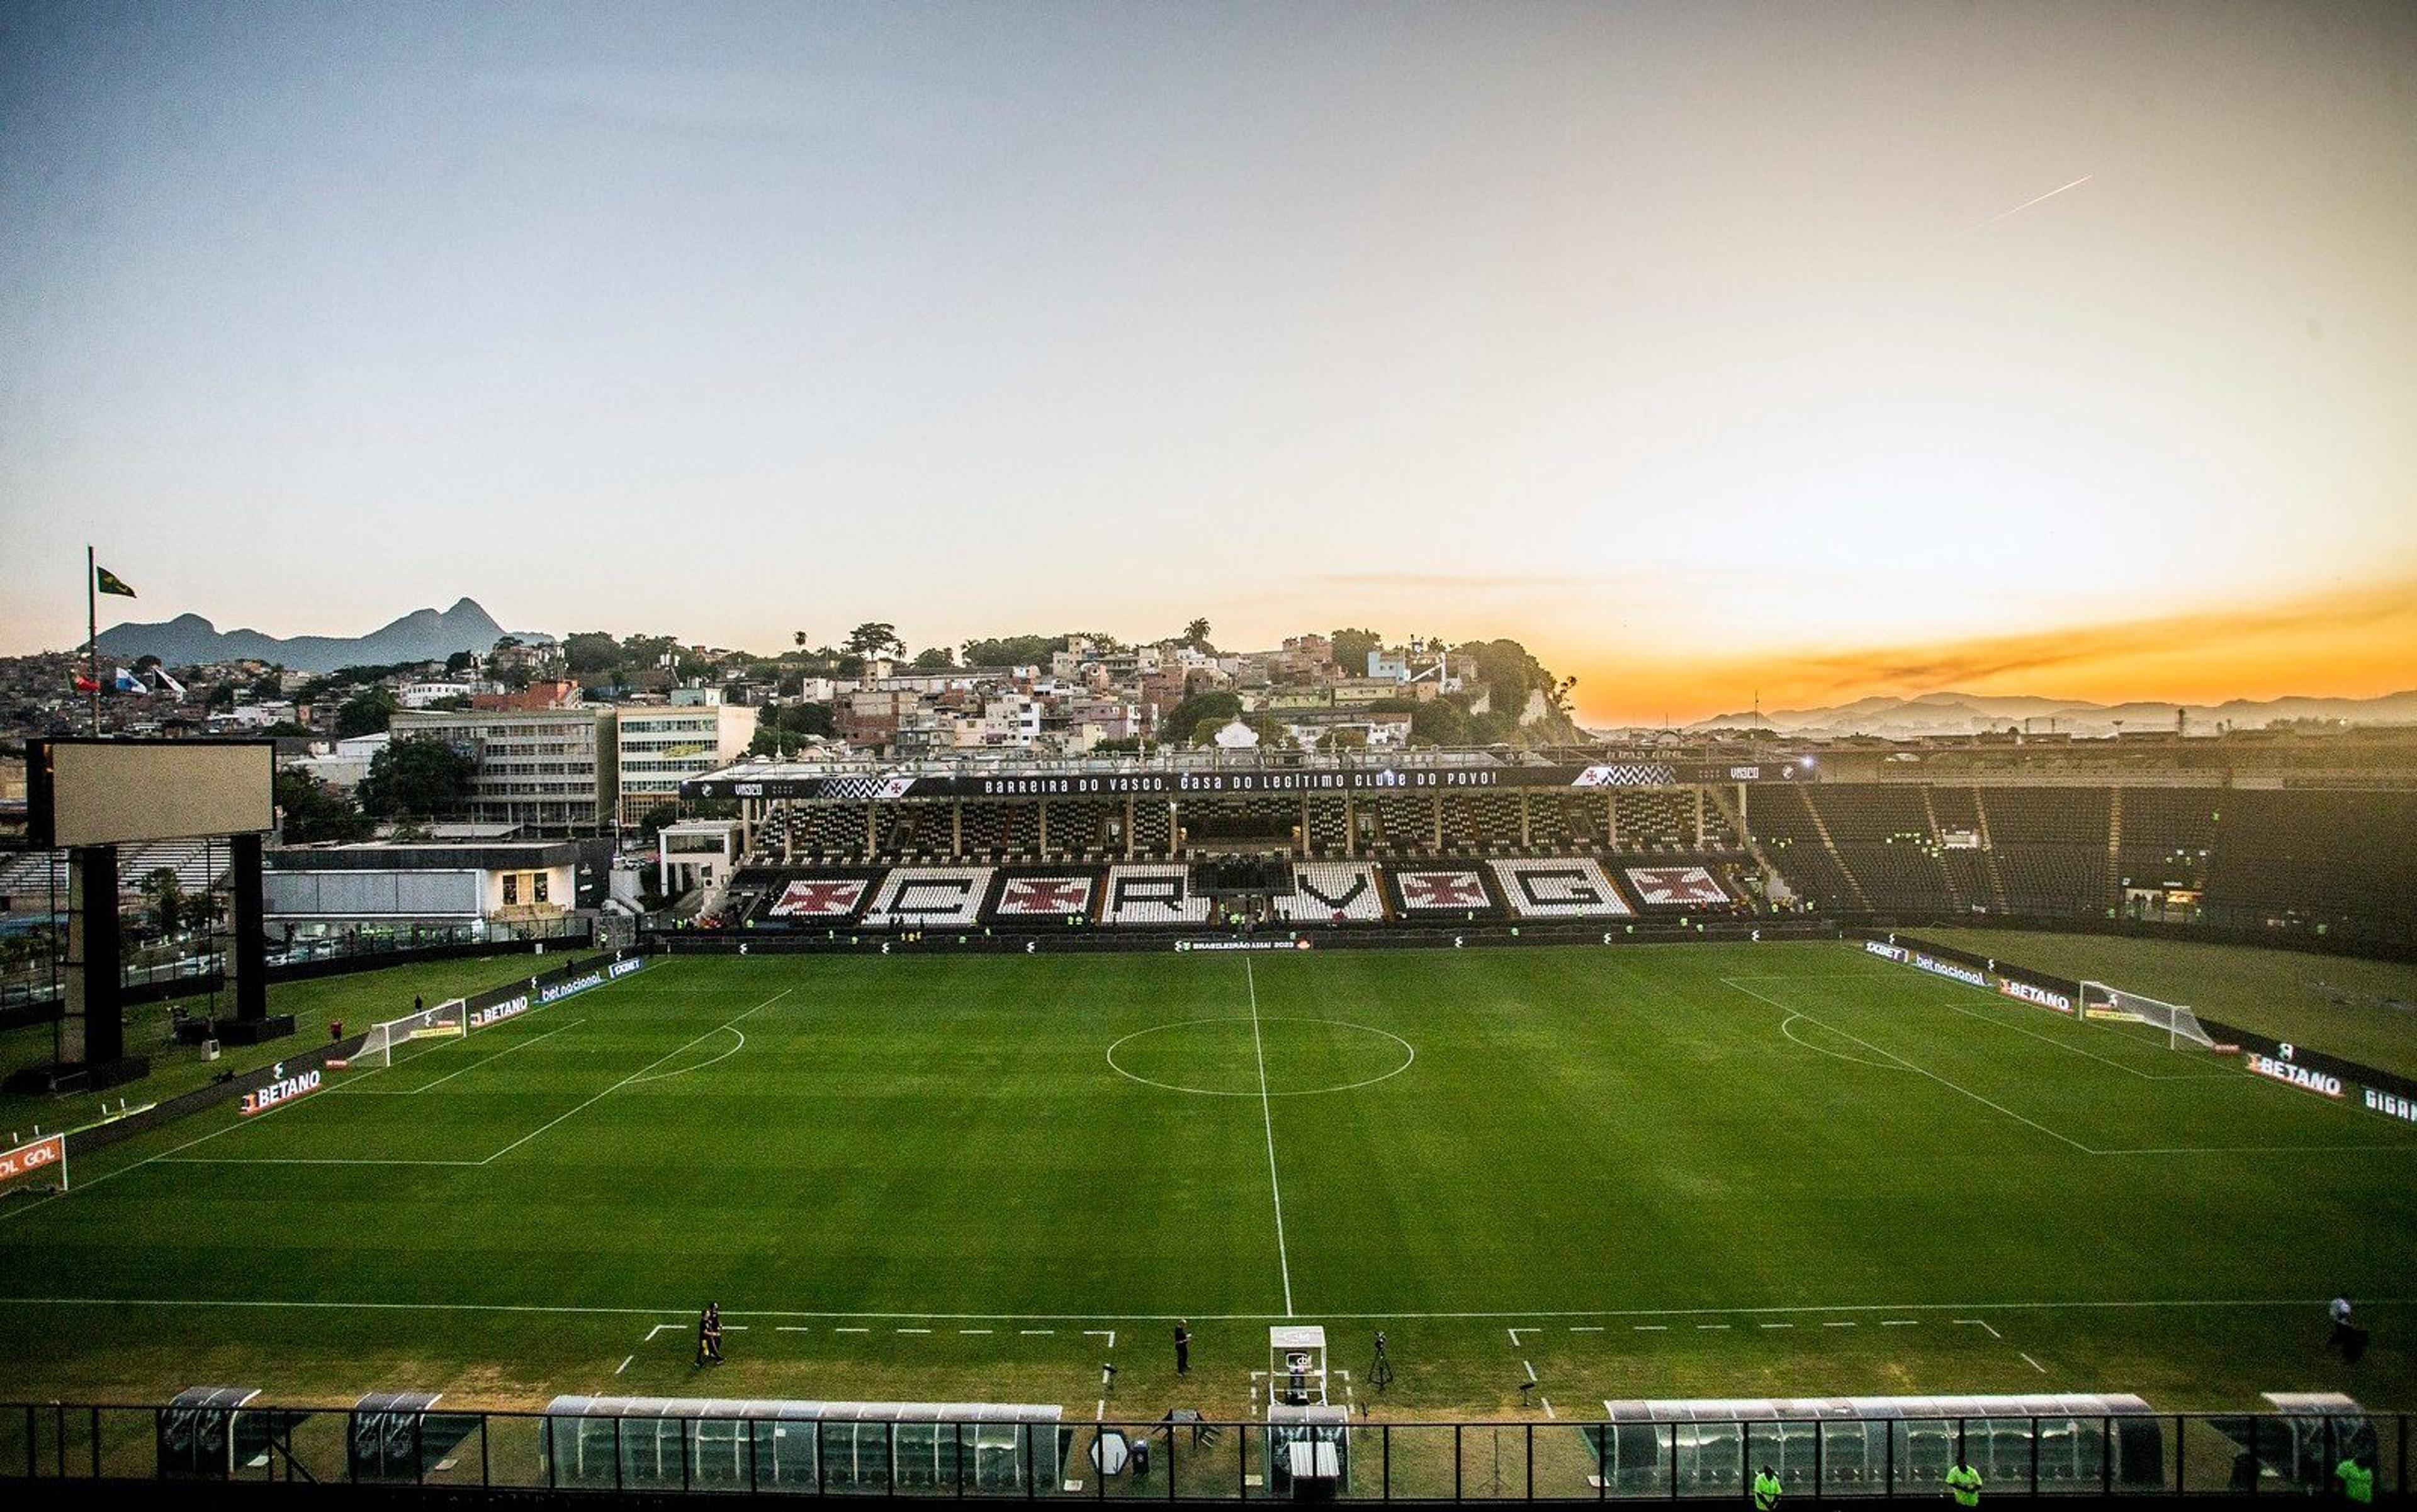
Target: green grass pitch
1773, 1170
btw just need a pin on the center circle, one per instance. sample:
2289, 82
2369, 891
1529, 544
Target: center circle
1224, 1057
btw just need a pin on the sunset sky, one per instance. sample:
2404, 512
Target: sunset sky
1710, 349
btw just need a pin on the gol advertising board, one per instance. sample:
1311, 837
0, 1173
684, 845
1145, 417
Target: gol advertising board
46, 1153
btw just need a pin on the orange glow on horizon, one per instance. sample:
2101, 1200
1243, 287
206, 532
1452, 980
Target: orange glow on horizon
2357, 643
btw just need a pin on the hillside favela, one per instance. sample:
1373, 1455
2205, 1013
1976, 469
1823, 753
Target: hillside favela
1737, 823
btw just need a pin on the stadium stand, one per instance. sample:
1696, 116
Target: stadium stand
2345, 862
819, 897
1152, 895
985, 832
1021, 839
1404, 825
831, 832
1570, 888
944, 897
1881, 833
1585, 818
1676, 887
1323, 890
1654, 822
1442, 892
1791, 837
2050, 849
1078, 830
33, 871
1328, 833
2329, 860
1044, 896
2166, 835
1152, 834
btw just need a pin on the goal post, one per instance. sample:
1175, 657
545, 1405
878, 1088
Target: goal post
2107, 1003
446, 1022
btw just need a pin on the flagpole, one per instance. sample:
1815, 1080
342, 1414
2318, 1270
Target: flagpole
92, 631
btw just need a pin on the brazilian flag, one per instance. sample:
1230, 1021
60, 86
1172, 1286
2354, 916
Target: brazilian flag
109, 582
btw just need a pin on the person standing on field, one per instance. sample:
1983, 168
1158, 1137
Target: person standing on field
1182, 1346
1766, 1491
1964, 1484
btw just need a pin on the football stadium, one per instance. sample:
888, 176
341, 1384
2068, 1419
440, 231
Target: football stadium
1484, 1125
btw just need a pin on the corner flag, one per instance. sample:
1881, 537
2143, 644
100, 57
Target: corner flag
109, 582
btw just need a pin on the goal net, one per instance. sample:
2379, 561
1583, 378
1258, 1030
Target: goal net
2179, 1024
446, 1022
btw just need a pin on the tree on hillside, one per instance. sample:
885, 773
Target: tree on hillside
365, 712
782, 730
1351, 648
1203, 711
586, 652
933, 659
1012, 651
313, 813
875, 638
1195, 635
422, 777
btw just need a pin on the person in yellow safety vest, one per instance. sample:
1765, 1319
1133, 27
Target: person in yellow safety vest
2357, 1481
1964, 1484
1766, 1491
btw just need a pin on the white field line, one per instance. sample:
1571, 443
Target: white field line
633, 1077
239, 1124
791, 1328
414, 1091
1531, 1371
2034, 1364
307, 1160
666, 1075
1548, 1407
1268, 1116
685, 1311
2003, 1022
1515, 1335
1976, 1322
1586, 1328
1108, 1333
623, 1365
1934, 1075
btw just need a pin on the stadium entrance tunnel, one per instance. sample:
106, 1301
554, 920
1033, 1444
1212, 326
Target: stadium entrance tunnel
1279, 1057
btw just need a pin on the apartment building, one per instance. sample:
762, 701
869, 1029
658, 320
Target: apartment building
549, 771
661, 746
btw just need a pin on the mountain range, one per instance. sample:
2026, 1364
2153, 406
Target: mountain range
421, 636
1968, 714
